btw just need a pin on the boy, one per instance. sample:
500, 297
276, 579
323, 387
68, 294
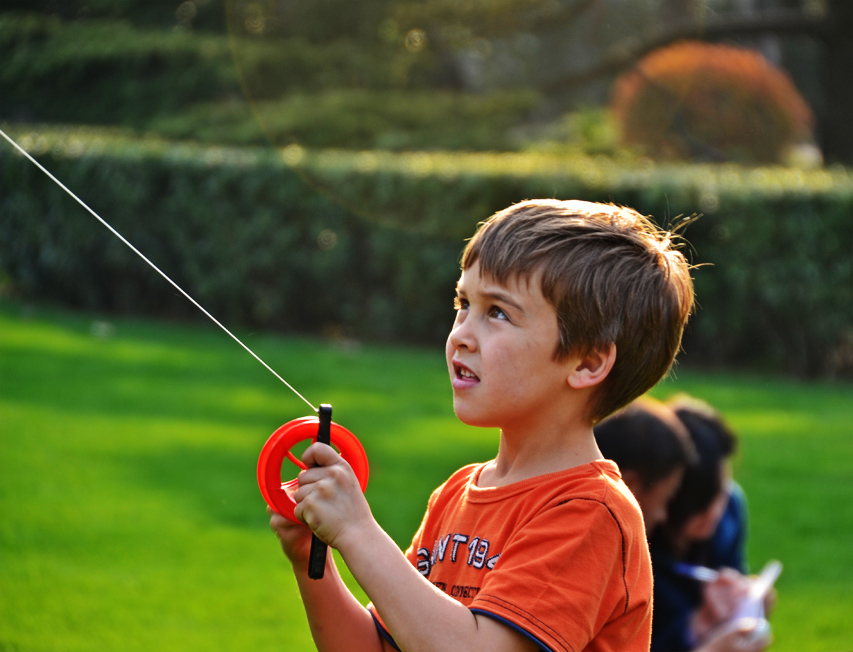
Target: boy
566, 311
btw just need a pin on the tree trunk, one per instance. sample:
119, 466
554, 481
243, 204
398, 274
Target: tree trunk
837, 129
678, 13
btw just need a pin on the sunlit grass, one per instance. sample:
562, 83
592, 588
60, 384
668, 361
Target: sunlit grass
130, 516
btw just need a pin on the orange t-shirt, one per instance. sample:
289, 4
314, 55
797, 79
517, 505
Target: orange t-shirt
561, 558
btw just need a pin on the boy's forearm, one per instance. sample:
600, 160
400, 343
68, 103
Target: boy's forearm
338, 621
419, 616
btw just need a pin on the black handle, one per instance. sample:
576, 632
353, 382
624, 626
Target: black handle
317, 558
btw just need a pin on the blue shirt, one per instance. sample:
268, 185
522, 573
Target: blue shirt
676, 597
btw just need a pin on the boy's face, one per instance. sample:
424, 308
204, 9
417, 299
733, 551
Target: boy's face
500, 354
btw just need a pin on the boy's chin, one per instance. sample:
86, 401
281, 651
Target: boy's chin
473, 418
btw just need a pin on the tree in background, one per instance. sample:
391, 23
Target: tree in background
701, 101
398, 67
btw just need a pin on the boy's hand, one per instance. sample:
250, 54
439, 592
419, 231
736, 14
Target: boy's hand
329, 498
295, 538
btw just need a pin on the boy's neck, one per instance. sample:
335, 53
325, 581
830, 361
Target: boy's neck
524, 456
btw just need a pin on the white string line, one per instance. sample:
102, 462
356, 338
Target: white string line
157, 269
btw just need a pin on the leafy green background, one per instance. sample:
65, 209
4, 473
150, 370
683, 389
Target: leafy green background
129, 515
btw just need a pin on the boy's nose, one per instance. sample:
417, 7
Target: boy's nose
462, 336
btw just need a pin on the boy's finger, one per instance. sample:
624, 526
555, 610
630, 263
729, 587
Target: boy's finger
320, 455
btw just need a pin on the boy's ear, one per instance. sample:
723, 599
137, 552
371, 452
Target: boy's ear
592, 368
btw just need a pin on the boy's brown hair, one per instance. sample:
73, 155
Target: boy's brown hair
611, 275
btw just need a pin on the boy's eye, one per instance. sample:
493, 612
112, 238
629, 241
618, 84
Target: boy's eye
498, 313
460, 304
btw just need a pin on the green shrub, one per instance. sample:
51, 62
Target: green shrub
107, 72
356, 119
114, 72
200, 14
714, 102
243, 233
244, 91
367, 243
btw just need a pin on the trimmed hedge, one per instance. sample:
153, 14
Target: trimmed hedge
238, 229
367, 243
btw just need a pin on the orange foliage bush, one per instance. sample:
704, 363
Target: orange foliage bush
697, 100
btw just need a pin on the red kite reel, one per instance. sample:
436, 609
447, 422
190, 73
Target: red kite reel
276, 492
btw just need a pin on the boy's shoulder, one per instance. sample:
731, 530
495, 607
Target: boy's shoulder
599, 482
498, 543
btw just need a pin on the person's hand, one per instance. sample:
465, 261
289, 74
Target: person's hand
329, 498
740, 635
295, 538
720, 600
770, 602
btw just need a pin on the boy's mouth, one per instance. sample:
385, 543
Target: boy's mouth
463, 375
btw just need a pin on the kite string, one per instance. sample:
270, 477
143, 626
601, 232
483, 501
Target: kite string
157, 269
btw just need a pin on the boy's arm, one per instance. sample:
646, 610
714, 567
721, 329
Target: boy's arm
418, 615
338, 621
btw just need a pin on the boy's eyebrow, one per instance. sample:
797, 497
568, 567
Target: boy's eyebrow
494, 296
503, 298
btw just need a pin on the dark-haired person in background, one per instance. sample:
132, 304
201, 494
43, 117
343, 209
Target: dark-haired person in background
652, 448
681, 482
706, 527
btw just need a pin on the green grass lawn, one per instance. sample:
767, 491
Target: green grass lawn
130, 517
